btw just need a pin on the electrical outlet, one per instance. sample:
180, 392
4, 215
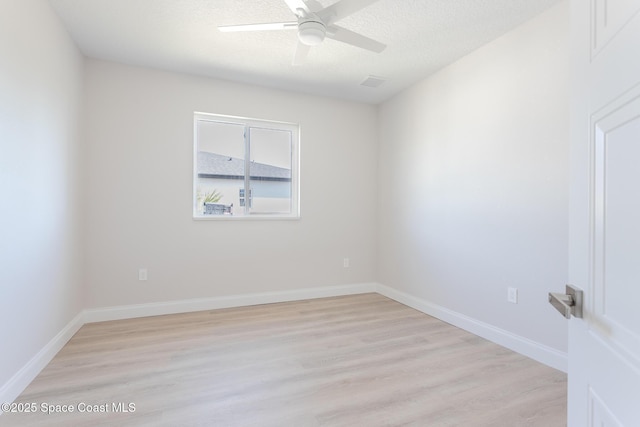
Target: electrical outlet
142, 274
345, 263
512, 295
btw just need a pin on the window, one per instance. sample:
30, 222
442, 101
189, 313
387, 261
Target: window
236, 157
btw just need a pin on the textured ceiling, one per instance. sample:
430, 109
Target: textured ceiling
422, 36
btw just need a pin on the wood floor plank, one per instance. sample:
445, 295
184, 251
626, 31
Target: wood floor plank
361, 360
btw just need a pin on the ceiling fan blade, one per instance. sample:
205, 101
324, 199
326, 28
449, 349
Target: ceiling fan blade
259, 27
302, 50
314, 5
308, 6
295, 5
346, 36
342, 9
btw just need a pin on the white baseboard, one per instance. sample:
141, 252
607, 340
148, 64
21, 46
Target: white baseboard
16, 385
539, 352
200, 304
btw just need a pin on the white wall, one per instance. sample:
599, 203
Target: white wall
474, 186
139, 137
40, 95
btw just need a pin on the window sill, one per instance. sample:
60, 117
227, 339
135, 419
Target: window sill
256, 217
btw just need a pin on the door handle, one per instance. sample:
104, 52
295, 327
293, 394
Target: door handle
569, 303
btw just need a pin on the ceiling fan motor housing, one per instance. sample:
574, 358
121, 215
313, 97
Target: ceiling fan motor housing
311, 33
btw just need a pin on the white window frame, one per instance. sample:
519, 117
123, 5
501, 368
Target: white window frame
251, 123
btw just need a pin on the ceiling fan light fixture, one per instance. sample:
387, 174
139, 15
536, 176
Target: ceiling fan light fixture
311, 33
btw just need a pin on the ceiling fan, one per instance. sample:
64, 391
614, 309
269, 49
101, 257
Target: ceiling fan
314, 23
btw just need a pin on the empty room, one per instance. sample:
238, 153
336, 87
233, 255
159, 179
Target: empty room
319, 213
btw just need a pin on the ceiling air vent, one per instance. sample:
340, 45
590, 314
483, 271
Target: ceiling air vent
373, 81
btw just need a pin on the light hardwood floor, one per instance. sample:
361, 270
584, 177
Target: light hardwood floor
359, 360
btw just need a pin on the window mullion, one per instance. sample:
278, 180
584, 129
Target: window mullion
247, 170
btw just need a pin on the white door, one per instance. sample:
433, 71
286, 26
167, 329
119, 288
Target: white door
604, 346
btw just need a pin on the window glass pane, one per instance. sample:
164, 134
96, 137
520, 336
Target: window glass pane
245, 167
270, 171
220, 168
